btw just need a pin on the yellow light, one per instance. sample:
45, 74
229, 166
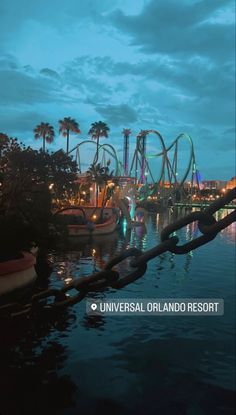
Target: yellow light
51, 186
68, 280
83, 193
94, 216
223, 190
91, 188
93, 251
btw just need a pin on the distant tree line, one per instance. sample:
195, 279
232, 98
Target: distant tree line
68, 125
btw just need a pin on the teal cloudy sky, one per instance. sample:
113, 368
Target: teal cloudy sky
150, 64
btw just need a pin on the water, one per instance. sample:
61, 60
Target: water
129, 364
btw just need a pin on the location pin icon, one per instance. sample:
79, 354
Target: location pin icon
93, 306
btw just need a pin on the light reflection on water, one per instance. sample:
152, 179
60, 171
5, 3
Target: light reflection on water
140, 364
229, 233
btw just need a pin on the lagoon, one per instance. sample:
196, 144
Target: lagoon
179, 365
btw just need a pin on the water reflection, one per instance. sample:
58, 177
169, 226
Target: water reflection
228, 233
86, 257
91, 322
170, 380
162, 219
138, 237
83, 364
89, 256
83, 257
30, 378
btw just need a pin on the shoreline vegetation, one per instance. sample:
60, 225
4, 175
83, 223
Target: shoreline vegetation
34, 183
26, 196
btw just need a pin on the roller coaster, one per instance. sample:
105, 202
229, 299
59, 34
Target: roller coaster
153, 172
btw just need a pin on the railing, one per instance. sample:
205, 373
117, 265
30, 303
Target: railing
202, 205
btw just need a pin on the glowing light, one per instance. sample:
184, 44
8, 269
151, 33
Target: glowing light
94, 216
51, 186
93, 252
68, 280
124, 226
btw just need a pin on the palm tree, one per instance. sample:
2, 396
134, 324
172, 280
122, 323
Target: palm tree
44, 131
65, 126
100, 176
97, 130
126, 133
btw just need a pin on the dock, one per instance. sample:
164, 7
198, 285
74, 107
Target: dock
201, 205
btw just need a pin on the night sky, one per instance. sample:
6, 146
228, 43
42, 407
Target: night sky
140, 64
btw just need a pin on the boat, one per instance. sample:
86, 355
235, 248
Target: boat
86, 221
17, 273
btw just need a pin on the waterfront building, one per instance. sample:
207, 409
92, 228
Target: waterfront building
213, 184
231, 183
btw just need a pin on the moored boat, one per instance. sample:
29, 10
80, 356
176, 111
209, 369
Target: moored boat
17, 273
88, 221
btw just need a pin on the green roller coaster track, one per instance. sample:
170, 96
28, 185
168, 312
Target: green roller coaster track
140, 165
168, 169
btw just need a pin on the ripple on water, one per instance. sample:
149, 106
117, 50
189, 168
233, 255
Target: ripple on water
174, 365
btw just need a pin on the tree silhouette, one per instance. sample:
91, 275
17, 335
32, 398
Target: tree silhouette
66, 126
98, 129
46, 132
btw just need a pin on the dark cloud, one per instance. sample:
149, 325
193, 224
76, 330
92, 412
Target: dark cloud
24, 85
7, 62
18, 87
170, 27
50, 73
194, 81
80, 75
118, 114
60, 14
169, 67
19, 121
